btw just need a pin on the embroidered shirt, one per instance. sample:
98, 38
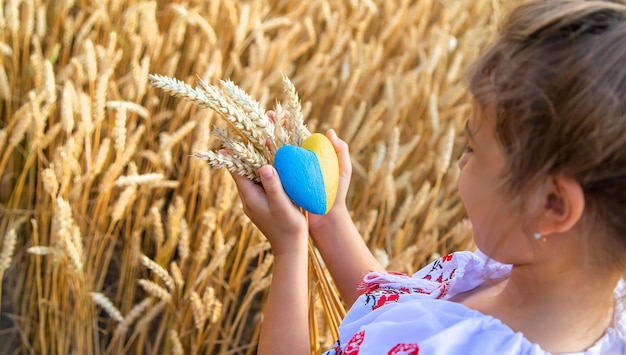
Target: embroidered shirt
401, 314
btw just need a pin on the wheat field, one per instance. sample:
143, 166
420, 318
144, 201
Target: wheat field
115, 239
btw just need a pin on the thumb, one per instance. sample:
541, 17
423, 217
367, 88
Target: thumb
276, 196
343, 154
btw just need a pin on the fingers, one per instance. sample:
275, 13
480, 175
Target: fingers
271, 115
343, 154
276, 196
345, 165
272, 198
251, 194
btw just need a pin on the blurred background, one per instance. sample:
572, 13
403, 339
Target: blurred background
115, 240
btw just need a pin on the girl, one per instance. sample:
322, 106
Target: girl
543, 180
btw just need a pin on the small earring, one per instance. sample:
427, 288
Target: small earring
537, 235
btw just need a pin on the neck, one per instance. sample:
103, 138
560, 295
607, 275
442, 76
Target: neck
561, 304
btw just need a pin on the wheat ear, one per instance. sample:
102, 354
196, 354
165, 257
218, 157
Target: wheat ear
105, 303
231, 163
296, 121
159, 270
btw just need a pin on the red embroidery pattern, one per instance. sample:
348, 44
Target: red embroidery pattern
353, 346
443, 288
384, 299
369, 287
438, 268
404, 349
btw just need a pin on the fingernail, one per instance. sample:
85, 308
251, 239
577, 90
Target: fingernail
332, 133
266, 171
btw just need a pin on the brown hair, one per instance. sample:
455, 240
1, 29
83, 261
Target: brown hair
556, 81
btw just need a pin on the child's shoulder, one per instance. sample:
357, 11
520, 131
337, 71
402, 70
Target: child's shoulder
443, 278
405, 314
464, 270
430, 326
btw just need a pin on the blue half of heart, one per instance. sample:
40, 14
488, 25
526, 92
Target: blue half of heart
301, 175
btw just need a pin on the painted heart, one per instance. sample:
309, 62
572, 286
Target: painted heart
310, 173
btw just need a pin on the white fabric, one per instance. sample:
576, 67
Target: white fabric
400, 314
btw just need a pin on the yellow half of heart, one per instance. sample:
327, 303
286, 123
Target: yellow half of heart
329, 164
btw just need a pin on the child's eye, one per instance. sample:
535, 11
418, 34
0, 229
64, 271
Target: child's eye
468, 149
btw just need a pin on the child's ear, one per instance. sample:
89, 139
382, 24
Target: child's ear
563, 205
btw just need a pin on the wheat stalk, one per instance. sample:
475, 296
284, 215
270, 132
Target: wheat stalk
157, 224
262, 137
67, 107
251, 129
177, 275
179, 88
49, 82
152, 312
50, 183
5, 89
19, 130
184, 241
159, 271
155, 290
253, 109
212, 306
136, 179
129, 107
119, 130
177, 136
105, 303
283, 137
133, 315
177, 346
3, 137
233, 164
90, 62
295, 126
122, 202
41, 250
199, 315
8, 248
243, 151
176, 224
73, 254
208, 221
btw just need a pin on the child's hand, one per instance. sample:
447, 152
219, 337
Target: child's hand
320, 224
271, 210
339, 209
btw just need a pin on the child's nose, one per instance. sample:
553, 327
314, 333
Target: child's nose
462, 161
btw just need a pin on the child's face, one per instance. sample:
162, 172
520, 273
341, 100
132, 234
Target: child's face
496, 223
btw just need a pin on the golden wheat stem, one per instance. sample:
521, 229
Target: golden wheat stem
133, 315
177, 346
